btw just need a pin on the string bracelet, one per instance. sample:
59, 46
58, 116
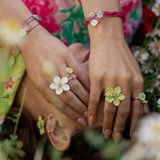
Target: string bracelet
26, 28
96, 17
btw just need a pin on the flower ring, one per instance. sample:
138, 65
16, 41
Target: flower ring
61, 84
141, 99
113, 95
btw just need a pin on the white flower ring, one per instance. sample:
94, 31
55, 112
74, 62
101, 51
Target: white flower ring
61, 84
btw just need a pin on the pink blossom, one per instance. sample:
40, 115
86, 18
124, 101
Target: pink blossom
46, 10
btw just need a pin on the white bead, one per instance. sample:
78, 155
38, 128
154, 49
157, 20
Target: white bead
94, 22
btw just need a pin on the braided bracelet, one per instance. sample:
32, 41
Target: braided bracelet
26, 25
96, 16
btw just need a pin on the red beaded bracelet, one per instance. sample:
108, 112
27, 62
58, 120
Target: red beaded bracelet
96, 16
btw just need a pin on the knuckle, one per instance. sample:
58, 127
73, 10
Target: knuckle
63, 108
110, 110
119, 128
138, 80
92, 111
124, 112
74, 84
107, 125
97, 76
126, 77
66, 97
94, 101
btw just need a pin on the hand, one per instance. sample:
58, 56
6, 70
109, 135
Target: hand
40, 48
112, 64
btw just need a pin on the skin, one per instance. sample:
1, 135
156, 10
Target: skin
112, 64
73, 103
59, 126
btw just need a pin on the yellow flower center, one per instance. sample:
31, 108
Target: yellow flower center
140, 56
147, 67
59, 84
156, 45
158, 10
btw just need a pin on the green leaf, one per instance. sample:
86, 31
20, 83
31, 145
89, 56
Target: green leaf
13, 137
67, 10
110, 91
121, 97
109, 99
117, 90
116, 102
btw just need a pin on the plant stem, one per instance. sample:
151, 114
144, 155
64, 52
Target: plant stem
20, 111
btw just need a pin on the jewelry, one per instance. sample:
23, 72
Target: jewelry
113, 95
26, 27
61, 84
96, 16
141, 99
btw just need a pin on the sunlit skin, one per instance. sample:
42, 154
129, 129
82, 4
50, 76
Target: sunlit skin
111, 64
60, 126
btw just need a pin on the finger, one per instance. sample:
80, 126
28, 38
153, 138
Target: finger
73, 114
136, 114
109, 114
137, 110
94, 99
146, 109
71, 99
79, 51
79, 91
122, 114
81, 73
55, 100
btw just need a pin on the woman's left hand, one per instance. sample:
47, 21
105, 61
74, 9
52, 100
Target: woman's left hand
112, 64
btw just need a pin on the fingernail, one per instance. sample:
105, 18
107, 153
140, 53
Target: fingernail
134, 136
117, 137
82, 121
91, 120
107, 133
85, 114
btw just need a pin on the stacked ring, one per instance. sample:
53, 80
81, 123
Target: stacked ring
61, 84
141, 99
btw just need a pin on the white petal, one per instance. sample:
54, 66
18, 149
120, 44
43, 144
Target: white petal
59, 91
56, 79
94, 22
53, 86
66, 87
64, 80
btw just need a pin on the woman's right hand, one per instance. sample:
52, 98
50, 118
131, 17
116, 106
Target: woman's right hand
39, 50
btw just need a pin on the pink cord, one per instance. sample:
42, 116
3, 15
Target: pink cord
113, 14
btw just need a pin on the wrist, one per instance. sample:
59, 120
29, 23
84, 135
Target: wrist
109, 28
30, 38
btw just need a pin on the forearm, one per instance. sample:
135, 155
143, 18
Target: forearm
110, 26
15, 9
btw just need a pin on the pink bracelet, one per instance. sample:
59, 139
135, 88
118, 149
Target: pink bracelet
96, 16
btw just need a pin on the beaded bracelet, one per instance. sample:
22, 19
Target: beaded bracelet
96, 16
26, 27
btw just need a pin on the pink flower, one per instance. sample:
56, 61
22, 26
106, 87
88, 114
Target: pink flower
9, 83
46, 10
